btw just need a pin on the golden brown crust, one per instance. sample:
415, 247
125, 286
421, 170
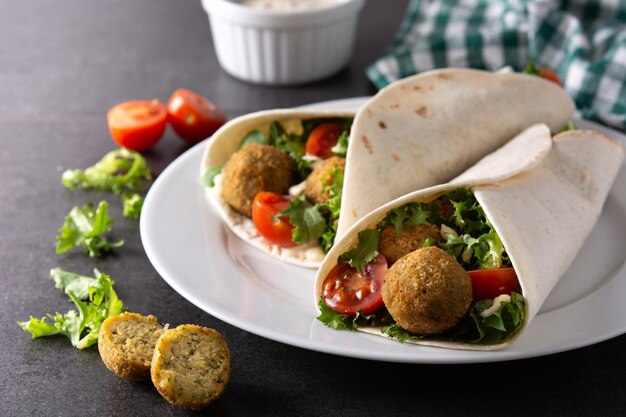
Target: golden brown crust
412, 237
321, 177
126, 342
427, 291
252, 169
191, 366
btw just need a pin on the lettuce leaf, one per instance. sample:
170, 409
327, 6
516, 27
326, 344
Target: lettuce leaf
132, 205
341, 148
209, 176
254, 136
306, 218
117, 171
317, 221
364, 252
473, 328
84, 226
338, 321
95, 300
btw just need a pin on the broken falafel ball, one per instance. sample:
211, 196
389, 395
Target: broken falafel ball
427, 291
254, 168
412, 237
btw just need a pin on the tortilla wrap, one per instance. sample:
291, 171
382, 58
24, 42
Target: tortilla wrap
426, 129
225, 142
542, 195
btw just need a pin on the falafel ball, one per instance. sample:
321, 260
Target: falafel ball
412, 237
254, 168
427, 291
320, 177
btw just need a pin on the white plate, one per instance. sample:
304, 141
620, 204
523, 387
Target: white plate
229, 279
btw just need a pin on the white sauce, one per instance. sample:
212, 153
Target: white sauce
297, 189
504, 298
286, 5
446, 231
307, 254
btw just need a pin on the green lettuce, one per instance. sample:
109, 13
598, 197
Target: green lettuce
86, 226
364, 252
95, 300
473, 327
306, 218
119, 170
132, 205
338, 321
341, 148
209, 176
317, 221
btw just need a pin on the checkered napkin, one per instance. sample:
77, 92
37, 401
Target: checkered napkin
584, 41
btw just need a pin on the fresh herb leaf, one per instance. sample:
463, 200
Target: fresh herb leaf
364, 252
255, 136
209, 176
133, 204
117, 171
306, 218
84, 226
81, 326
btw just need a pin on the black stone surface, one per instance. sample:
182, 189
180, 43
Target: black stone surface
62, 65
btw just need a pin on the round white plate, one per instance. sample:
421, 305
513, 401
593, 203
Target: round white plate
229, 279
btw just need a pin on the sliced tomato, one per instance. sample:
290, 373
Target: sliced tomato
490, 283
347, 291
278, 231
137, 125
322, 139
192, 116
550, 75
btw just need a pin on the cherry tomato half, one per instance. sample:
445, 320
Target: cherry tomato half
265, 206
137, 125
192, 116
490, 283
550, 75
347, 291
322, 139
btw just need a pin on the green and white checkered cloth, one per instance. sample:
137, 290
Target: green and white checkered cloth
584, 41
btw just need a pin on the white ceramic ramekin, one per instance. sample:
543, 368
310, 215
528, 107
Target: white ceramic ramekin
282, 47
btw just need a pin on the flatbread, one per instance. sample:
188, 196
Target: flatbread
427, 129
543, 210
225, 142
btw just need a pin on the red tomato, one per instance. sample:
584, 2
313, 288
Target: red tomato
264, 209
550, 75
490, 283
192, 116
137, 125
347, 291
322, 139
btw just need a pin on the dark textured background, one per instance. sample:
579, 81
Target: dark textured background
62, 65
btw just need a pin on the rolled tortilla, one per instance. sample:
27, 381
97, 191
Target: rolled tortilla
225, 142
426, 129
543, 207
